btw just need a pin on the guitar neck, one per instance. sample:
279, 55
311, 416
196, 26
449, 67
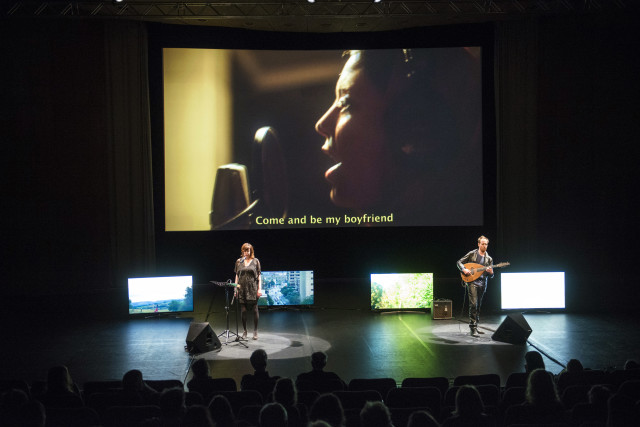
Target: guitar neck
491, 266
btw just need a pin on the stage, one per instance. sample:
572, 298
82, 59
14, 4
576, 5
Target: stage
360, 344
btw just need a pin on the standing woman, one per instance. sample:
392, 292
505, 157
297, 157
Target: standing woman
249, 279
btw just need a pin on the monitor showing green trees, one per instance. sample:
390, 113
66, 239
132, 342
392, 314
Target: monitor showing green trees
401, 291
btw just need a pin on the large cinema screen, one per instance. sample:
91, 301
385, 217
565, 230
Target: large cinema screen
268, 139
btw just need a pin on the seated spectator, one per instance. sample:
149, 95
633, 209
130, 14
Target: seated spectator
631, 364
285, 393
273, 415
172, 409
222, 412
630, 388
135, 391
260, 379
11, 404
574, 367
621, 412
318, 377
422, 419
532, 361
375, 414
61, 391
598, 395
197, 416
201, 381
596, 408
172, 406
33, 414
327, 407
542, 404
469, 409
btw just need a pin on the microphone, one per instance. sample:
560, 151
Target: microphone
269, 174
232, 205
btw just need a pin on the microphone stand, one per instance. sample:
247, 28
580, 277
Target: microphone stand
227, 332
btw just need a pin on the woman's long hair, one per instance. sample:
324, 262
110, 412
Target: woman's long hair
247, 246
541, 389
468, 402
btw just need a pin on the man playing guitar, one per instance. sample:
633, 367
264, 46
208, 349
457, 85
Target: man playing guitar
476, 288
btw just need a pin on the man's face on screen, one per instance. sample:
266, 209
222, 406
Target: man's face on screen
355, 140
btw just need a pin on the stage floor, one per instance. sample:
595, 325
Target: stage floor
360, 344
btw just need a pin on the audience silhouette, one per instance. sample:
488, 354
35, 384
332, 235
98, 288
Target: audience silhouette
260, 380
532, 361
221, 411
375, 414
469, 410
136, 391
318, 379
328, 408
201, 381
197, 416
542, 404
612, 401
273, 415
285, 393
422, 419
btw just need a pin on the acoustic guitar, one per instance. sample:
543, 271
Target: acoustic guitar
477, 270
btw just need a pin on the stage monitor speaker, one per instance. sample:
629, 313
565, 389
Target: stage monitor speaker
514, 329
441, 309
201, 338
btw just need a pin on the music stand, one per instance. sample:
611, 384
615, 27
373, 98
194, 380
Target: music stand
227, 286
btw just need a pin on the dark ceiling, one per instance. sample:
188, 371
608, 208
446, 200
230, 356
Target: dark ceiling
322, 16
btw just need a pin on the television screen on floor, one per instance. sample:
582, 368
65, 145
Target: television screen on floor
394, 291
285, 288
532, 290
148, 295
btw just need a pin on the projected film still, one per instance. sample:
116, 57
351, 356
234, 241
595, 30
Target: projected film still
396, 291
284, 288
267, 139
148, 295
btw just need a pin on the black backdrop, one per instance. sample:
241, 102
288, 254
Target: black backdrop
566, 120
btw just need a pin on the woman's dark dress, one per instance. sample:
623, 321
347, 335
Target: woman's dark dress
248, 279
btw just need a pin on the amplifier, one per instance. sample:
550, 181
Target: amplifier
441, 309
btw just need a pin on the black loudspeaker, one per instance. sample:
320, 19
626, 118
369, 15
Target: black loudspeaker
201, 338
514, 329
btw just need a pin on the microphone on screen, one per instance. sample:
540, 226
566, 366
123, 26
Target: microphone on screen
269, 174
230, 204
233, 206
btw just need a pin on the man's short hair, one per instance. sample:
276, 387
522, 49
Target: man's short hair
258, 359
318, 360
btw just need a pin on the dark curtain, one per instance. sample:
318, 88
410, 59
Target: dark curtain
129, 145
516, 94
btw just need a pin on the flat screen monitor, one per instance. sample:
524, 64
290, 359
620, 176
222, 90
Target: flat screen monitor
532, 290
393, 291
286, 288
160, 294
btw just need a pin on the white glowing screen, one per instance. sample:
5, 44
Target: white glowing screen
532, 290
